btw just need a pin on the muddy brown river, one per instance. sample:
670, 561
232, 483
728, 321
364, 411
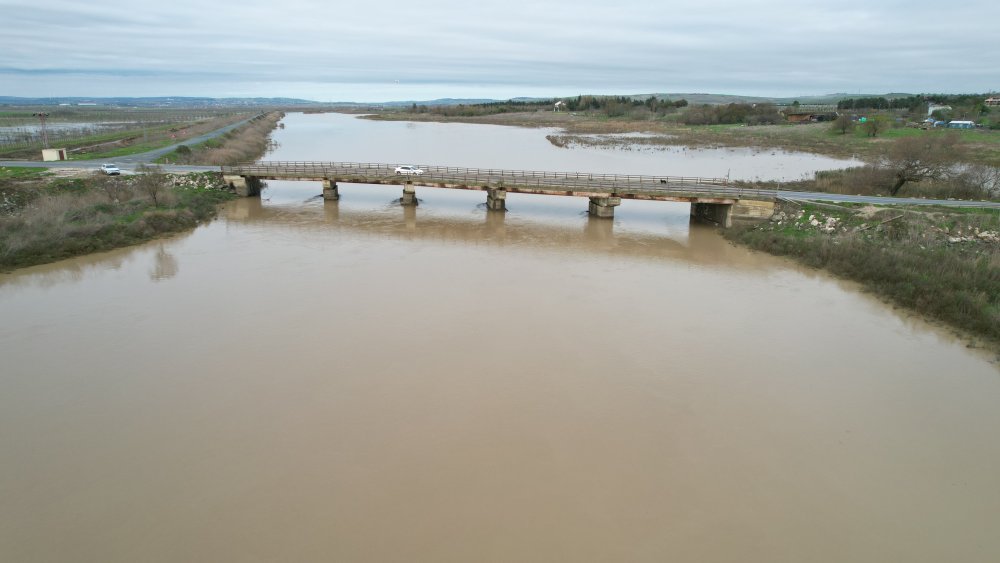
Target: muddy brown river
303, 380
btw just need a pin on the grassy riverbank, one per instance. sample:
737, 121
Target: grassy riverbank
243, 144
940, 262
45, 220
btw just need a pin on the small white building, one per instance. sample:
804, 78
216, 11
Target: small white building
48, 155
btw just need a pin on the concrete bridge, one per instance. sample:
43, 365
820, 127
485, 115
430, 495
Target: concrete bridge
714, 199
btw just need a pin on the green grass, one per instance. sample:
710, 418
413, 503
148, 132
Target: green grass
178, 156
983, 211
18, 173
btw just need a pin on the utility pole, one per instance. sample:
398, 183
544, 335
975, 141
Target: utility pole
45, 135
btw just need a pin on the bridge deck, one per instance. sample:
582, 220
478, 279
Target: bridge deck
675, 188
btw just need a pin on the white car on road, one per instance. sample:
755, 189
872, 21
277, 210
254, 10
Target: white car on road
407, 170
110, 170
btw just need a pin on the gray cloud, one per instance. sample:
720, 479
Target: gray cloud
405, 50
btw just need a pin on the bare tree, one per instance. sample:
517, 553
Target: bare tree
843, 124
913, 159
152, 182
114, 187
978, 181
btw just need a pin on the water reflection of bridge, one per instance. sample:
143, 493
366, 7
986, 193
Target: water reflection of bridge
714, 199
698, 244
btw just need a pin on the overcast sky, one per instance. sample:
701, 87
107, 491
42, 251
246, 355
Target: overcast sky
396, 50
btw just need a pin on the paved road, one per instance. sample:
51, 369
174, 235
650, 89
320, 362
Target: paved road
875, 200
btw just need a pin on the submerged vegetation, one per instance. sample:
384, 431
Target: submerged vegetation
47, 220
940, 262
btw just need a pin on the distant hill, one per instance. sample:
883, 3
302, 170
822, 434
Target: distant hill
156, 102
203, 102
440, 102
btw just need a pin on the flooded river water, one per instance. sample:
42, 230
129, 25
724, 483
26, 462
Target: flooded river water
304, 380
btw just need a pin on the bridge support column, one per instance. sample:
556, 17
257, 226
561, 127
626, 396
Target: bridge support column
604, 206
409, 195
719, 213
330, 190
495, 199
245, 186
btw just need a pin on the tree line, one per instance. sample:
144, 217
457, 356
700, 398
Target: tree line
749, 114
611, 106
913, 103
619, 106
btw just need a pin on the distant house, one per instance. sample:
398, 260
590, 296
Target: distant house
809, 117
993, 101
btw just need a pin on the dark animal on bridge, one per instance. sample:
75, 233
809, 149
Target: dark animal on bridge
663, 181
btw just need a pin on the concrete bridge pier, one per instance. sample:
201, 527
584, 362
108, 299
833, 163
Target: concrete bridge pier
604, 206
245, 186
409, 194
330, 191
496, 199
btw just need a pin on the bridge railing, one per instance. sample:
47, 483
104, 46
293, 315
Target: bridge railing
294, 167
625, 183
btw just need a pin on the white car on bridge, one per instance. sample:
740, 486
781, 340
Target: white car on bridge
408, 170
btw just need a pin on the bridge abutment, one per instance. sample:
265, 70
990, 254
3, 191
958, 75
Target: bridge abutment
724, 214
245, 186
604, 206
718, 213
330, 190
496, 199
752, 210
